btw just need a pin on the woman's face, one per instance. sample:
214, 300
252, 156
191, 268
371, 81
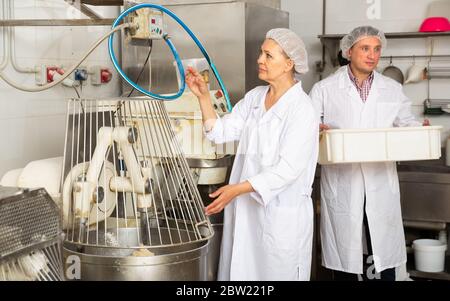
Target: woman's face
273, 62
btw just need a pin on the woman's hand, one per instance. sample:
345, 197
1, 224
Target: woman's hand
224, 195
199, 88
196, 83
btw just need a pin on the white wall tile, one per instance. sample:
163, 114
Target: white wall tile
33, 124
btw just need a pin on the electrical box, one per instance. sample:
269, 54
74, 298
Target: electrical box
149, 25
100, 75
80, 75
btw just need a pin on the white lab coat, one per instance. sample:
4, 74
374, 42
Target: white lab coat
343, 185
267, 234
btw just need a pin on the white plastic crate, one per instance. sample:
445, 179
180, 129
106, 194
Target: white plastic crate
378, 145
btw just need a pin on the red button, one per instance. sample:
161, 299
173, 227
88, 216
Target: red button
105, 76
218, 94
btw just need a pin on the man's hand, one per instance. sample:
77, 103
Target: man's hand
224, 195
323, 127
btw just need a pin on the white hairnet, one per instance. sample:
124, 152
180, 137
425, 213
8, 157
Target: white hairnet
292, 45
357, 35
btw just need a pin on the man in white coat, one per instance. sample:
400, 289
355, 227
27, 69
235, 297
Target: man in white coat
360, 203
268, 221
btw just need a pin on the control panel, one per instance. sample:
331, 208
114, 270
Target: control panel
149, 25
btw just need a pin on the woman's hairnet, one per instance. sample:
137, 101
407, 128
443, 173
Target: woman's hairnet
292, 45
357, 35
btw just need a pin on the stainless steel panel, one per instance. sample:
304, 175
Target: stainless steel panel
226, 161
258, 21
175, 263
6, 192
425, 196
217, 224
184, 266
231, 32
225, 45
214, 252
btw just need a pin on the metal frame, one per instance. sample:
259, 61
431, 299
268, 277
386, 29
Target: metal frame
84, 9
60, 22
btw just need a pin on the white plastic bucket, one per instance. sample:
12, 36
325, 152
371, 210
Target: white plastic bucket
199, 64
429, 255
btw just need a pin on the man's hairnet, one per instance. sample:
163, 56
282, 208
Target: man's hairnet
292, 45
357, 35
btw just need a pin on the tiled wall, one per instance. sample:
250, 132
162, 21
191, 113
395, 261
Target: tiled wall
32, 125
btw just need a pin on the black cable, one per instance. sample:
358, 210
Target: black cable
76, 91
143, 67
79, 99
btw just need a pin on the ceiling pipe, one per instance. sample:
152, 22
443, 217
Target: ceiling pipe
5, 37
321, 65
12, 46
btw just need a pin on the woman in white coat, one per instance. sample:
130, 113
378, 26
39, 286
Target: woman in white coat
353, 195
268, 222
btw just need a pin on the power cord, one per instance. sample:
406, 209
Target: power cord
150, 44
76, 91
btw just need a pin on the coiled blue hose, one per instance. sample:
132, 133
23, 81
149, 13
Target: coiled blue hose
174, 52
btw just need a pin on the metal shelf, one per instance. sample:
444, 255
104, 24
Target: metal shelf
432, 276
331, 41
445, 275
394, 35
432, 56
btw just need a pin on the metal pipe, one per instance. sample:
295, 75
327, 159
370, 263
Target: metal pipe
12, 45
68, 72
324, 24
58, 22
119, 48
414, 56
173, 154
425, 225
89, 12
5, 36
320, 67
193, 191
324, 15
103, 2
148, 134
396, 35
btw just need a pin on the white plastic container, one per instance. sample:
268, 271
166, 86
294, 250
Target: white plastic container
447, 152
378, 145
429, 255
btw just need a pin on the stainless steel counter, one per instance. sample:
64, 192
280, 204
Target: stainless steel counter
425, 191
425, 200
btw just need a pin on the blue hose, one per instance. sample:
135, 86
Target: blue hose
175, 54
